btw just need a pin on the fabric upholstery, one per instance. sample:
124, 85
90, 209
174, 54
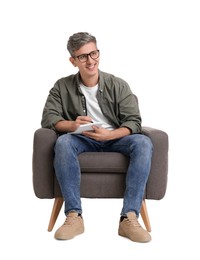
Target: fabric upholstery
103, 174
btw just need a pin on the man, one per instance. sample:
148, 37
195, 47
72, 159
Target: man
95, 96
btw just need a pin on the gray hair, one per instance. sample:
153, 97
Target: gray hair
77, 40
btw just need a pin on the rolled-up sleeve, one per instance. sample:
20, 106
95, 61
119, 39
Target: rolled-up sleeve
52, 112
129, 112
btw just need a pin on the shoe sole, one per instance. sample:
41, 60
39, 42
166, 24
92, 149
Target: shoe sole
70, 237
123, 234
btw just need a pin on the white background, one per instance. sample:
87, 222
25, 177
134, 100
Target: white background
154, 46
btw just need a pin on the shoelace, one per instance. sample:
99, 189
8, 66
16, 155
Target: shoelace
133, 221
70, 219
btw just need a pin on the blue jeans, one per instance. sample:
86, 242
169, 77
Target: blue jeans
137, 146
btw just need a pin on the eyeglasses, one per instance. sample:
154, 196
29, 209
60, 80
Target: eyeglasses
84, 57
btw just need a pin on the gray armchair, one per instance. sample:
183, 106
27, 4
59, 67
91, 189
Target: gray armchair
103, 174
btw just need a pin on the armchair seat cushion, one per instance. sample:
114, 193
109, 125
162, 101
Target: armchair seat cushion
103, 162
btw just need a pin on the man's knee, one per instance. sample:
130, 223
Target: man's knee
63, 140
142, 142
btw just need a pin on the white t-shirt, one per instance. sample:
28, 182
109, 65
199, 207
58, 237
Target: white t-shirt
92, 105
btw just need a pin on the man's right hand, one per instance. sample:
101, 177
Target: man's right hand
71, 126
83, 120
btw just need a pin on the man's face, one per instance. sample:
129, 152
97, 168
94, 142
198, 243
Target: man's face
87, 59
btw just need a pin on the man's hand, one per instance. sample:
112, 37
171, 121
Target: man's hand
102, 134
71, 126
83, 120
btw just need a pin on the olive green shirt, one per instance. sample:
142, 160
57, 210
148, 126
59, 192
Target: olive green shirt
116, 100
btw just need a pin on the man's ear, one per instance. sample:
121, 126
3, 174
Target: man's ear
71, 59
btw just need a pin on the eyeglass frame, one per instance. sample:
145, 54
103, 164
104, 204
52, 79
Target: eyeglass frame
88, 54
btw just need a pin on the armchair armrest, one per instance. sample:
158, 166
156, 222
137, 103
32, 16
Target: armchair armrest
159, 167
42, 162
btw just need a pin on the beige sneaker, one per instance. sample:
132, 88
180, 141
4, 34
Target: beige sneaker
72, 226
130, 228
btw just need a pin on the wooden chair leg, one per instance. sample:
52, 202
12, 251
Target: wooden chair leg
145, 216
55, 212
